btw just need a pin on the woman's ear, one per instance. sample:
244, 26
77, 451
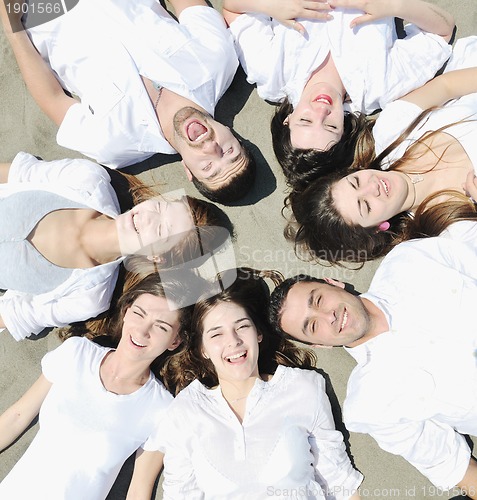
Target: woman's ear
260, 338
286, 121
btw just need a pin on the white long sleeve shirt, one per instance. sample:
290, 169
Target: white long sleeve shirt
414, 388
286, 443
100, 49
375, 67
87, 292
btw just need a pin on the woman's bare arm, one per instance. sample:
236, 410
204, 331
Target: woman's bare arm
4, 170
147, 466
19, 416
443, 88
468, 484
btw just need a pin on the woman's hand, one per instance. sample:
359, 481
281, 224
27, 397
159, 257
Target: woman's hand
287, 11
373, 9
425, 15
470, 186
283, 11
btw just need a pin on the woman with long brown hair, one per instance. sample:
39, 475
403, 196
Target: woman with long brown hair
347, 61
98, 405
420, 182
67, 237
253, 418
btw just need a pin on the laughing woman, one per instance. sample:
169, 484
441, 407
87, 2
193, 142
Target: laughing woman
345, 64
253, 417
99, 405
422, 180
66, 238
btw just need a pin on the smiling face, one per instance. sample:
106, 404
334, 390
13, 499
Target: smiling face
368, 197
149, 328
209, 150
317, 122
155, 226
230, 340
323, 314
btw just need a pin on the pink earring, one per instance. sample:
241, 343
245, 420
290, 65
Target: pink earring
384, 226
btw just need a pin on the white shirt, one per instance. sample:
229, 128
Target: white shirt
397, 116
287, 442
98, 51
374, 65
87, 292
86, 433
413, 389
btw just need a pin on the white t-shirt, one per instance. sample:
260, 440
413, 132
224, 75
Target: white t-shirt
99, 49
374, 65
287, 442
87, 292
86, 433
413, 389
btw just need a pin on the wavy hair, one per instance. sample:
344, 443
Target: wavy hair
251, 292
175, 290
207, 235
211, 235
302, 166
318, 227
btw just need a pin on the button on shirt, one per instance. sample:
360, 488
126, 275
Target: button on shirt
286, 443
414, 386
374, 65
100, 49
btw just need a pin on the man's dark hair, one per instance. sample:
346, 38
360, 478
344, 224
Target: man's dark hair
278, 297
237, 187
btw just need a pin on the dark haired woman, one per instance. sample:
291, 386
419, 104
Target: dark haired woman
99, 405
340, 67
253, 419
66, 238
418, 185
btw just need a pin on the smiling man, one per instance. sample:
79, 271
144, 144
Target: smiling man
414, 339
146, 84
